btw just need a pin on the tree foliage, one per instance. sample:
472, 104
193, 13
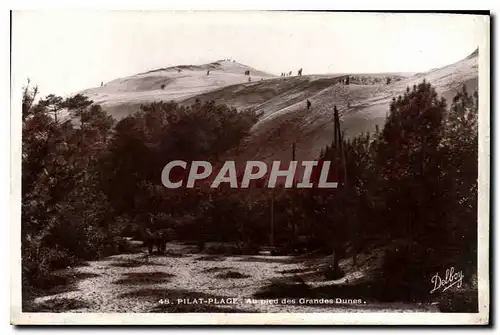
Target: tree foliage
413, 182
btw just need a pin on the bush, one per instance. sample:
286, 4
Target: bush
406, 272
38, 262
228, 249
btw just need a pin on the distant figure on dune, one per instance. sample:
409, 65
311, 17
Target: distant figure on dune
249, 79
208, 72
290, 73
300, 72
308, 104
102, 83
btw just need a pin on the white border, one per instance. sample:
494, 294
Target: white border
17, 317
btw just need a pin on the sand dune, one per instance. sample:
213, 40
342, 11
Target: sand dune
281, 100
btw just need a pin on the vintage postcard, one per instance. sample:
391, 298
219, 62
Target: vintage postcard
250, 168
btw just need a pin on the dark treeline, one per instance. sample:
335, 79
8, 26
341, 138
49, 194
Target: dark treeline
88, 181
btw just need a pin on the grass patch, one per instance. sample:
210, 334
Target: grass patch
51, 284
138, 278
232, 275
230, 249
56, 283
132, 263
174, 254
83, 275
57, 305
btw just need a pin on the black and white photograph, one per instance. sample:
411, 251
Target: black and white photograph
240, 167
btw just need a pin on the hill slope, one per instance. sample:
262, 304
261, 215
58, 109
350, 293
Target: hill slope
281, 100
123, 96
361, 108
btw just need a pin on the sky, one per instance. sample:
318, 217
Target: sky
64, 52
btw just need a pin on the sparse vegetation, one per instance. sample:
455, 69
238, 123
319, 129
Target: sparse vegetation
232, 275
57, 306
142, 278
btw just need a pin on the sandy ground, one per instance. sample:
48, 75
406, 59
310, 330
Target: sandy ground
136, 283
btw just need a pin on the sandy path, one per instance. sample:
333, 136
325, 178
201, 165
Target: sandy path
134, 283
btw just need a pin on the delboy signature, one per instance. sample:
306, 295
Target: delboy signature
450, 279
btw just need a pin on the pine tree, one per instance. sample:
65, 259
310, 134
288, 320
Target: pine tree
408, 154
459, 177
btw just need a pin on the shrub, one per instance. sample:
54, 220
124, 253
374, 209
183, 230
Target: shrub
406, 272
